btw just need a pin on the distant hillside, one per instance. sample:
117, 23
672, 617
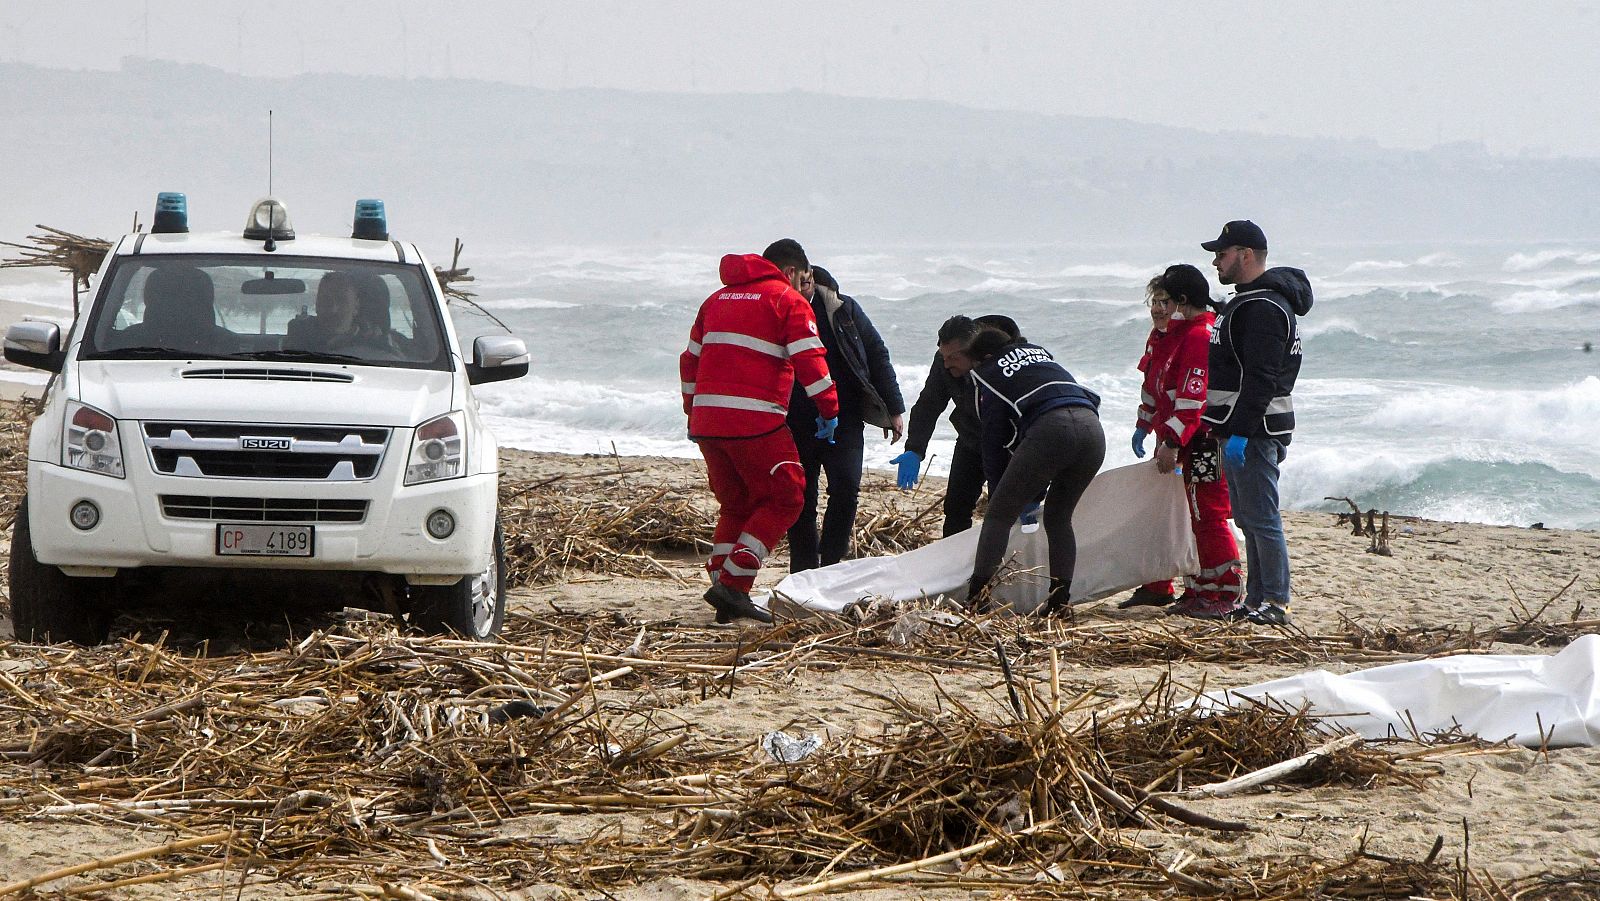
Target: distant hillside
83, 150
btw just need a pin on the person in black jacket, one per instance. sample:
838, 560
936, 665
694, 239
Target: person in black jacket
948, 380
1041, 436
868, 393
1255, 357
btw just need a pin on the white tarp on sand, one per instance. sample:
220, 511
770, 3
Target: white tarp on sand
1132, 527
1492, 696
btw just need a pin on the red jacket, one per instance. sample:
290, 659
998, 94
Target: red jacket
1147, 390
750, 342
1177, 377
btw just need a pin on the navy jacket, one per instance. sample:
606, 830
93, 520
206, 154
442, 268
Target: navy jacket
937, 392
1014, 388
1255, 357
859, 362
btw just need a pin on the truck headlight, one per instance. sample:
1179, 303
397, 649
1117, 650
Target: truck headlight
438, 449
91, 441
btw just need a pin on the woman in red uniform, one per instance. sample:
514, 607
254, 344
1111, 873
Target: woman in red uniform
1156, 348
1176, 371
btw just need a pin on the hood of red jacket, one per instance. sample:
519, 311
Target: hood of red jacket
742, 268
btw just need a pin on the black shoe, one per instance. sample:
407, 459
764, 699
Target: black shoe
1056, 605
732, 604
1144, 597
1268, 614
1058, 602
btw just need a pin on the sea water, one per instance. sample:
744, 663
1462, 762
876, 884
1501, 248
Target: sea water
1446, 381
1442, 381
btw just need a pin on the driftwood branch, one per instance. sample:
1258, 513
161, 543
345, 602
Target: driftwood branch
1353, 517
1271, 773
1380, 536
143, 854
896, 869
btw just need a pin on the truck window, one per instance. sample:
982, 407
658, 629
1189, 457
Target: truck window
288, 308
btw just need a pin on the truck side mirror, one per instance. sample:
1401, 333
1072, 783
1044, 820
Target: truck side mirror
36, 345
495, 358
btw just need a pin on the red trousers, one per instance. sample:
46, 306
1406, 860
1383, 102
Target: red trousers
1218, 578
760, 487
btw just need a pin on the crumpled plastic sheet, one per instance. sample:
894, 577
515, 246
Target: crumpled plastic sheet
913, 624
1132, 527
1535, 700
785, 748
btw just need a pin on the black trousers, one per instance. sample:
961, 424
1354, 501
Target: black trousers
841, 463
965, 486
1062, 450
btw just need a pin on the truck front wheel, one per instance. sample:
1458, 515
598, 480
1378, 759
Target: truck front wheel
474, 607
48, 605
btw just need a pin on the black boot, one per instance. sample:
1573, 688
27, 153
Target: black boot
732, 604
978, 595
1143, 596
1056, 603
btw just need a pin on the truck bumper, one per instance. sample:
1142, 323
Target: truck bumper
133, 531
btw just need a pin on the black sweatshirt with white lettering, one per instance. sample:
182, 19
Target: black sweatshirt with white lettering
1014, 387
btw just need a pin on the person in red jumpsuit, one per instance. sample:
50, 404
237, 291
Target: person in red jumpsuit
1156, 348
1176, 377
752, 341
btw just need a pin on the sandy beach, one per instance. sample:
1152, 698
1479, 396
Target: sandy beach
1499, 814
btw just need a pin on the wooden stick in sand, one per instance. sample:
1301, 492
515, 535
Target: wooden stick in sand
896, 869
1271, 773
146, 879
157, 851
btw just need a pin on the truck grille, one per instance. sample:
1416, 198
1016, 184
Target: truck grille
262, 509
235, 451
271, 375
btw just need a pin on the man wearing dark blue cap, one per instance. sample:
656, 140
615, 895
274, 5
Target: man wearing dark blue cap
1255, 357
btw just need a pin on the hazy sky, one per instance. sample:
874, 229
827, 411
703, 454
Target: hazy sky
1517, 77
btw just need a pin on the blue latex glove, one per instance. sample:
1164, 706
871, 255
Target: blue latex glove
1030, 514
1234, 449
910, 467
825, 428
1138, 442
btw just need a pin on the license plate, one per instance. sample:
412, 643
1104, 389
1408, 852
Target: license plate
258, 540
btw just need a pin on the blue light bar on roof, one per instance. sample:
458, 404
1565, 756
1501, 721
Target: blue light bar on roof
172, 214
371, 223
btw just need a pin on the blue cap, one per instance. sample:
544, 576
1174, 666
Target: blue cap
172, 214
371, 223
1238, 233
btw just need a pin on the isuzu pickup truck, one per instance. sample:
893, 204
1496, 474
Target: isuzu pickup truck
265, 413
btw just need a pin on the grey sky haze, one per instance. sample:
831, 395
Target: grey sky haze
1516, 77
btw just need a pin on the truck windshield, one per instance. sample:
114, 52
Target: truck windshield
288, 308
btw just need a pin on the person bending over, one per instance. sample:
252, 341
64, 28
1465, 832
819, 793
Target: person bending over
949, 381
1041, 436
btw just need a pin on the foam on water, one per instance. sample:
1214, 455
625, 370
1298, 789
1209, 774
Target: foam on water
1544, 259
1316, 328
1560, 419
1543, 300
1123, 271
530, 303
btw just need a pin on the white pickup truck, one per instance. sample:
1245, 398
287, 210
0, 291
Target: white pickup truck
260, 413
